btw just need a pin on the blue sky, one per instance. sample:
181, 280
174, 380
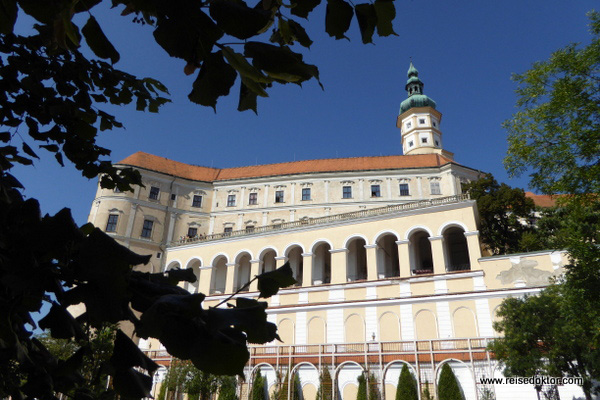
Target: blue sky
465, 52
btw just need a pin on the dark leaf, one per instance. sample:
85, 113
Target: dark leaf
214, 80
130, 383
61, 323
126, 354
8, 15
367, 20
251, 320
50, 147
302, 8
280, 62
59, 158
300, 34
386, 12
177, 275
247, 99
98, 41
5, 136
29, 151
337, 18
237, 19
270, 282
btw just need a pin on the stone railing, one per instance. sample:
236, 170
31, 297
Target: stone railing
391, 209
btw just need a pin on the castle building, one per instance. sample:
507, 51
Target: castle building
385, 250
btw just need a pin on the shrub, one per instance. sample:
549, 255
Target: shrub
407, 386
448, 386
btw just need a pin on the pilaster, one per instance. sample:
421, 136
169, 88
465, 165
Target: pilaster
279, 261
229, 282
307, 265
254, 270
437, 251
339, 265
474, 247
404, 257
371, 250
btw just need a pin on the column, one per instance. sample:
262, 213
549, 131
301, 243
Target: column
254, 270
437, 251
326, 191
404, 257
279, 261
214, 201
307, 262
229, 284
292, 215
419, 187
243, 200
132, 213
265, 218
266, 196
92, 217
388, 182
339, 265
205, 279
474, 248
361, 189
292, 193
371, 262
171, 227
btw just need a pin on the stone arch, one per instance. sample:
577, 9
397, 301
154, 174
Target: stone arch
355, 236
268, 373
450, 224
464, 322
173, 264
420, 253
416, 228
267, 259
194, 264
308, 375
456, 249
392, 331
286, 330
318, 241
388, 262
391, 374
346, 374
219, 274
426, 326
242, 270
294, 255
321, 272
464, 375
385, 232
240, 252
317, 330
356, 258
354, 328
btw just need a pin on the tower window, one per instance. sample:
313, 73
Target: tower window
437, 143
404, 189
154, 191
435, 188
147, 228
192, 232
197, 201
306, 194
423, 140
421, 120
346, 192
408, 125
410, 144
111, 225
375, 191
279, 196
253, 199
231, 200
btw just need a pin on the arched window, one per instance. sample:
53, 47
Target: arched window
421, 258
356, 260
219, 276
268, 261
456, 249
194, 265
388, 264
321, 264
242, 271
295, 259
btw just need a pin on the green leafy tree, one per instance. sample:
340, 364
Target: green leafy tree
426, 393
258, 387
448, 387
373, 388
407, 385
325, 391
554, 137
297, 387
282, 387
227, 390
362, 387
504, 214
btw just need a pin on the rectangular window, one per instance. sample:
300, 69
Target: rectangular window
421, 121
227, 231
197, 201
279, 196
192, 232
147, 228
253, 199
346, 192
231, 200
423, 140
404, 189
173, 196
306, 194
375, 191
410, 144
154, 191
111, 225
435, 188
250, 228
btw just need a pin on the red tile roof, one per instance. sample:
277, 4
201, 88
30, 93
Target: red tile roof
542, 200
197, 173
